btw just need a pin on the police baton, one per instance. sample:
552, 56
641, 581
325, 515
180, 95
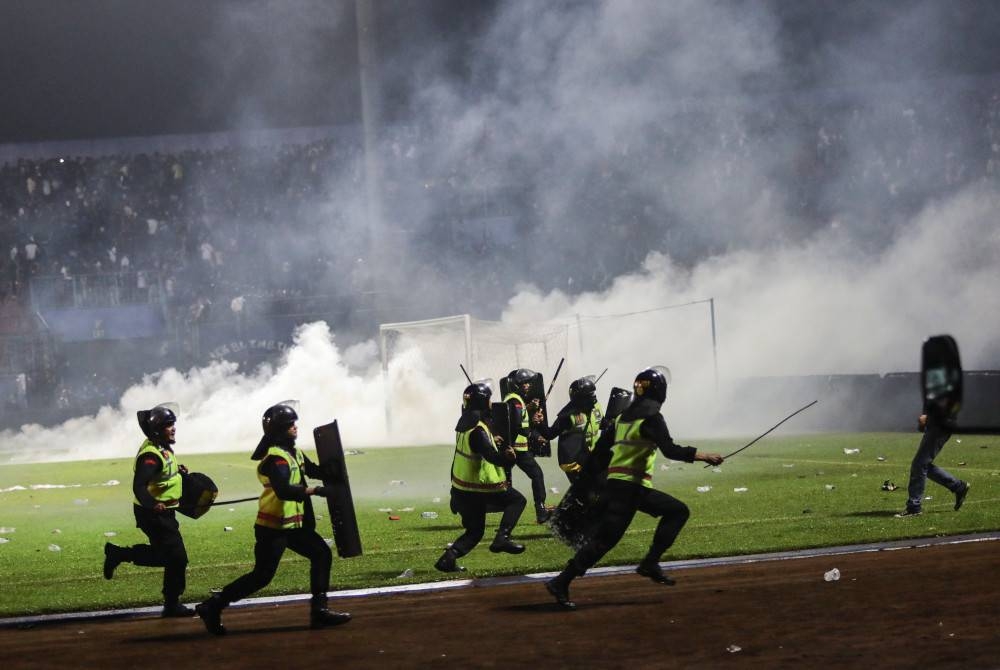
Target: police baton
465, 373
555, 377
599, 377
801, 409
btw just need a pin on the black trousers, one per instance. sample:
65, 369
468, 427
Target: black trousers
526, 462
165, 549
620, 501
473, 507
267, 551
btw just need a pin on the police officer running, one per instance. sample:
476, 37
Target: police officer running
156, 484
627, 451
577, 426
478, 481
285, 519
521, 413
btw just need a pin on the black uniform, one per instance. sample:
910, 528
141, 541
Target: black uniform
525, 460
270, 545
473, 506
166, 546
621, 499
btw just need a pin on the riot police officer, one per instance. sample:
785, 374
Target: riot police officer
156, 485
577, 426
285, 519
478, 482
521, 412
626, 451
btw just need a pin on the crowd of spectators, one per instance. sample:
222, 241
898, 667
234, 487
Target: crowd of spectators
217, 233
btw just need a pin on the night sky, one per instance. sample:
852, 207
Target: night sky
104, 68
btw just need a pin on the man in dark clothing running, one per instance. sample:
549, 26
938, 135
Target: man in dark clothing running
156, 485
478, 482
627, 450
285, 520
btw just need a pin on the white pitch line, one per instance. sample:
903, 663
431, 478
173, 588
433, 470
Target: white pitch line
489, 582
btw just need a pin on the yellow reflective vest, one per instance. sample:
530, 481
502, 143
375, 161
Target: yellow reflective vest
589, 425
272, 511
520, 441
166, 487
470, 471
632, 456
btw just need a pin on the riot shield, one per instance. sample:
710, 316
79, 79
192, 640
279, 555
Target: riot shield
198, 492
501, 424
330, 452
941, 373
504, 387
617, 402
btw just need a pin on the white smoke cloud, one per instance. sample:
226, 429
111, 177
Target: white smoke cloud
662, 97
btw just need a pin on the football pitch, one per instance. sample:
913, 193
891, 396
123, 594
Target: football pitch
786, 492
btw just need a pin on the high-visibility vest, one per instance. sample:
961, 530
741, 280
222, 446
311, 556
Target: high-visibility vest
272, 511
520, 441
470, 471
589, 425
166, 487
632, 456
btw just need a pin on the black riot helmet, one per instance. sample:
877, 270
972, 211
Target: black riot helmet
583, 392
652, 383
279, 418
476, 396
154, 421
276, 422
518, 378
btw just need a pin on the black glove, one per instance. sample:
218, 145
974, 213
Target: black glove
323, 491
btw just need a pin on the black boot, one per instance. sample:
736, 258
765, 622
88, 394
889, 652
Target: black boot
324, 618
558, 586
447, 562
543, 512
503, 543
174, 609
113, 557
651, 569
210, 612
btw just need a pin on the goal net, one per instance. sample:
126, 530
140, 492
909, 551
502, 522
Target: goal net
417, 354
485, 348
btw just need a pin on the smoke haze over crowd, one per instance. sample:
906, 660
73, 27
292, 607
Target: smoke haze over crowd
829, 173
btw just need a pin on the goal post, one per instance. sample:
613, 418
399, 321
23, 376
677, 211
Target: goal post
434, 348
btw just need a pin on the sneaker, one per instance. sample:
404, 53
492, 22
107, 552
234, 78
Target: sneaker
653, 571
908, 512
560, 592
210, 613
176, 610
960, 496
112, 559
324, 618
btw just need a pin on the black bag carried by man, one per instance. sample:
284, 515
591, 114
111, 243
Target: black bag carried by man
198, 492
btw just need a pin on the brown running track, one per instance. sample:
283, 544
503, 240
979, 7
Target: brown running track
928, 607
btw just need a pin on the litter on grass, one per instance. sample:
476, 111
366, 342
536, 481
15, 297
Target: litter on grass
55, 547
852, 451
109, 533
830, 487
405, 574
740, 489
704, 489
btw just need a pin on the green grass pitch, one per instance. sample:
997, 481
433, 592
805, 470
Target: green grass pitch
800, 491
